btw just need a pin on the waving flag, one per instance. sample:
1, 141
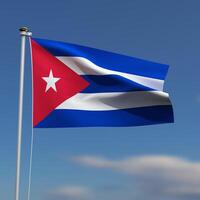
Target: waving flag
78, 86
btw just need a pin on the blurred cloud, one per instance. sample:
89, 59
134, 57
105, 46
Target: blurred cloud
70, 192
158, 177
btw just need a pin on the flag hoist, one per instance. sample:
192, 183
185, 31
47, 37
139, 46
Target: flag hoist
79, 86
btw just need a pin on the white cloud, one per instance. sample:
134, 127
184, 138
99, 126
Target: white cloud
93, 161
71, 192
156, 175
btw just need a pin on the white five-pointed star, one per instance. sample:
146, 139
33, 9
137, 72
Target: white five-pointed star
51, 81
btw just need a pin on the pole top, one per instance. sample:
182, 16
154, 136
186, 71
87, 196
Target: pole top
24, 31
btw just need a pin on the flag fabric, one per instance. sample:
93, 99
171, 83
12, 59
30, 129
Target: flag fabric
78, 86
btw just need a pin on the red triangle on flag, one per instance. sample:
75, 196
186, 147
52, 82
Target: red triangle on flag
53, 82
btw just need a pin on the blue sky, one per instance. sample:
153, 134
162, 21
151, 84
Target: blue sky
158, 162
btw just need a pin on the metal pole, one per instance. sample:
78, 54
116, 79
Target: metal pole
23, 32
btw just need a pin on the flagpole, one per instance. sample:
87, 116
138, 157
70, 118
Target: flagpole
24, 32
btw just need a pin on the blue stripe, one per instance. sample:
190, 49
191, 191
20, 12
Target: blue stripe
114, 118
107, 59
111, 83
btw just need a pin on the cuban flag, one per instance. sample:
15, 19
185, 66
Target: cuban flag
78, 86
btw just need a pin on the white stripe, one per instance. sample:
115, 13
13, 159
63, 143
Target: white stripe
83, 66
115, 100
